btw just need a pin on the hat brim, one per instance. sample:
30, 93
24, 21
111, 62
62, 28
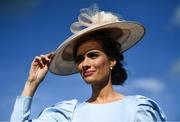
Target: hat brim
63, 63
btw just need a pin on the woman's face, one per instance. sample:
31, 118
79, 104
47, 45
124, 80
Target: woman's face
92, 63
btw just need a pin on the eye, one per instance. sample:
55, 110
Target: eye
79, 59
92, 55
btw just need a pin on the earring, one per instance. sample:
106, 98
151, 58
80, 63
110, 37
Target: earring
111, 67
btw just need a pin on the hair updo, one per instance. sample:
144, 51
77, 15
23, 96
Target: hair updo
111, 47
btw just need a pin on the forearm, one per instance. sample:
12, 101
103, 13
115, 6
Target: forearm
30, 88
22, 106
21, 110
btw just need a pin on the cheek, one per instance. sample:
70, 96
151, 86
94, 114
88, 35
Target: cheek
101, 64
79, 68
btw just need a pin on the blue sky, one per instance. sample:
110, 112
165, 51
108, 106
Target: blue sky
33, 27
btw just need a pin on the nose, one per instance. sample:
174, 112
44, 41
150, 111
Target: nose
85, 64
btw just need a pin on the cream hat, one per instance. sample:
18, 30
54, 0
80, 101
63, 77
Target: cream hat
91, 20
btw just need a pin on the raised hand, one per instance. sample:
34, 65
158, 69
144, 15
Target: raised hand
37, 73
39, 67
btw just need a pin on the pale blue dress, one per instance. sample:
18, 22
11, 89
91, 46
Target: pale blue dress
130, 109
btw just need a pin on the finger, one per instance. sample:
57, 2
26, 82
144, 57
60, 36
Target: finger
38, 61
44, 59
51, 55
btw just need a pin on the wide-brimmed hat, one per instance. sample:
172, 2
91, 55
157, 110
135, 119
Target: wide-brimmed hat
91, 20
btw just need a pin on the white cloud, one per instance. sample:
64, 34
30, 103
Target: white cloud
149, 84
175, 69
176, 16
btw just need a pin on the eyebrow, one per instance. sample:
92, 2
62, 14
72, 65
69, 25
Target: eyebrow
87, 52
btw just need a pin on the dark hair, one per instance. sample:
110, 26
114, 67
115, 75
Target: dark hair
112, 49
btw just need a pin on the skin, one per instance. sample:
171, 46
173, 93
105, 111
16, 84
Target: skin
93, 65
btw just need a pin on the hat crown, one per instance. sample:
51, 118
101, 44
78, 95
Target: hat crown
92, 16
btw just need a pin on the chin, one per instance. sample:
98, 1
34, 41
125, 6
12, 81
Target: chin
88, 80
92, 81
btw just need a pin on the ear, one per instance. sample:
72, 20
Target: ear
112, 62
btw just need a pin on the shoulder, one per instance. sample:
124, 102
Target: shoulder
147, 109
61, 111
65, 105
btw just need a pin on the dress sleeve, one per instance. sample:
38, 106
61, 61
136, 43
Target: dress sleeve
148, 110
60, 112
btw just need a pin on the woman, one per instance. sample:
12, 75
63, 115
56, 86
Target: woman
96, 53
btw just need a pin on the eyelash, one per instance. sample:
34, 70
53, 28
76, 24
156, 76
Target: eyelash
92, 55
80, 58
